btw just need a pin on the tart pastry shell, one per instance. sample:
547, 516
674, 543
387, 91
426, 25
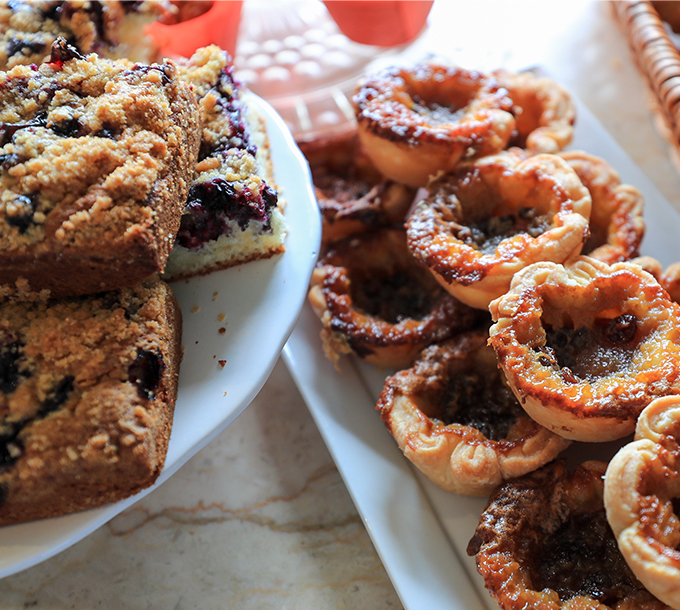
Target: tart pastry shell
641, 482
415, 122
603, 403
496, 186
458, 457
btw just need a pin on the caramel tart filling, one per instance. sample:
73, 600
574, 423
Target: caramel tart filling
454, 417
544, 542
376, 301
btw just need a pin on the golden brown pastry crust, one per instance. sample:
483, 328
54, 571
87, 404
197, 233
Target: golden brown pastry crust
485, 440
375, 301
543, 543
616, 224
415, 122
640, 484
543, 109
586, 346
540, 197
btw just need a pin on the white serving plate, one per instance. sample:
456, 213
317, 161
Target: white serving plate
420, 531
257, 304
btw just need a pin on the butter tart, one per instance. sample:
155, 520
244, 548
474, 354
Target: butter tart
457, 421
417, 121
352, 194
481, 224
543, 109
376, 301
617, 225
543, 543
641, 489
586, 346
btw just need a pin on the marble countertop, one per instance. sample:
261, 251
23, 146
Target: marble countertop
260, 518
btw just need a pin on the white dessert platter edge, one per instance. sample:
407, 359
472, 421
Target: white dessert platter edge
235, 323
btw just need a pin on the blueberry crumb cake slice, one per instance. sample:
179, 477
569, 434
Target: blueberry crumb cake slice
233, 213
110, 28
96, 157
87, 394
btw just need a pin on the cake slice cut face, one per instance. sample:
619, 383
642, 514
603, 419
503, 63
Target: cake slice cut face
233, 213
96, 157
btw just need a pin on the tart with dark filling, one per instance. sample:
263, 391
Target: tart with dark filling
352, 195
616, 225
641, 494
543, 543
544, 111
455, 418
416, 122
481, 224
586, 346
376, 301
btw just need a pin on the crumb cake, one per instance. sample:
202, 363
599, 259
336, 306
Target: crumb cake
109, 28
95, 162
233, 213
87, 393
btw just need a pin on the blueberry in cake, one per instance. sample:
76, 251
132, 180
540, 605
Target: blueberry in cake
96, 157
87, 392
233, 213
110, 28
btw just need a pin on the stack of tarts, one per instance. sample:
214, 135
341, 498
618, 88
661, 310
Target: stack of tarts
498, 276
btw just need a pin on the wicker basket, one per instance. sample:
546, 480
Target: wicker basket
657, 57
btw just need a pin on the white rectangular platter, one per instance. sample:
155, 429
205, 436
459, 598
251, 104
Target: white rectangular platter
421, 532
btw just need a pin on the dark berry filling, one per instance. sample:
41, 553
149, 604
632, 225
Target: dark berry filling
146, 373
17, 46
8, 161
10, 372
70, 127
211, 202
62, 52
226, 92
24, 207
10, 446
7, 130
58, 396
